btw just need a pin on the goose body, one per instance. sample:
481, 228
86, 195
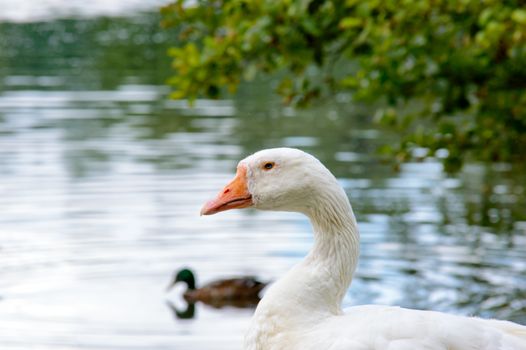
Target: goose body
302, 310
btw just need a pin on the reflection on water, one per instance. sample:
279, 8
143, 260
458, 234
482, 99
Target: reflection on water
26, 11
102, 179
185, 313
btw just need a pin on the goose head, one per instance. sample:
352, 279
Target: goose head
282, 179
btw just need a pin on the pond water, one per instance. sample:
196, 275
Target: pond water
102, 179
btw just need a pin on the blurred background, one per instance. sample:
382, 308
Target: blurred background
102, 177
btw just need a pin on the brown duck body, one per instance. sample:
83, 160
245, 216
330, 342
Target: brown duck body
233, 289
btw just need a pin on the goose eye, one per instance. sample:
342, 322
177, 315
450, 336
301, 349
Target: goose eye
268, 165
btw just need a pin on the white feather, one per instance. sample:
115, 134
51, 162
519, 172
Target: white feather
303, 309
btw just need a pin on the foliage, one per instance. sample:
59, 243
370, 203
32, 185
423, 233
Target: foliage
446, 74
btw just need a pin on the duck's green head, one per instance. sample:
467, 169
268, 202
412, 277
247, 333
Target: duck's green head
186, 276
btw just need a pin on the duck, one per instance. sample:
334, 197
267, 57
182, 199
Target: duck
303, 309
239, 292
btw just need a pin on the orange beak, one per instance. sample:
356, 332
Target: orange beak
234, 195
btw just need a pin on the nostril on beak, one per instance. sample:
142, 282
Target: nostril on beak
226, 191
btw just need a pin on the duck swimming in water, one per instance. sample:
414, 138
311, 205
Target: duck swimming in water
239, 292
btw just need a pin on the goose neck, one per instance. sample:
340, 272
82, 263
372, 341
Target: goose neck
334, 255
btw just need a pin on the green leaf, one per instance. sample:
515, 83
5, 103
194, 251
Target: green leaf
350, 22
519, 16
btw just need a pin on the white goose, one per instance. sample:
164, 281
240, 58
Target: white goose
303, 309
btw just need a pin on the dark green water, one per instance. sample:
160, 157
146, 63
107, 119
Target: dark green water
102, 179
